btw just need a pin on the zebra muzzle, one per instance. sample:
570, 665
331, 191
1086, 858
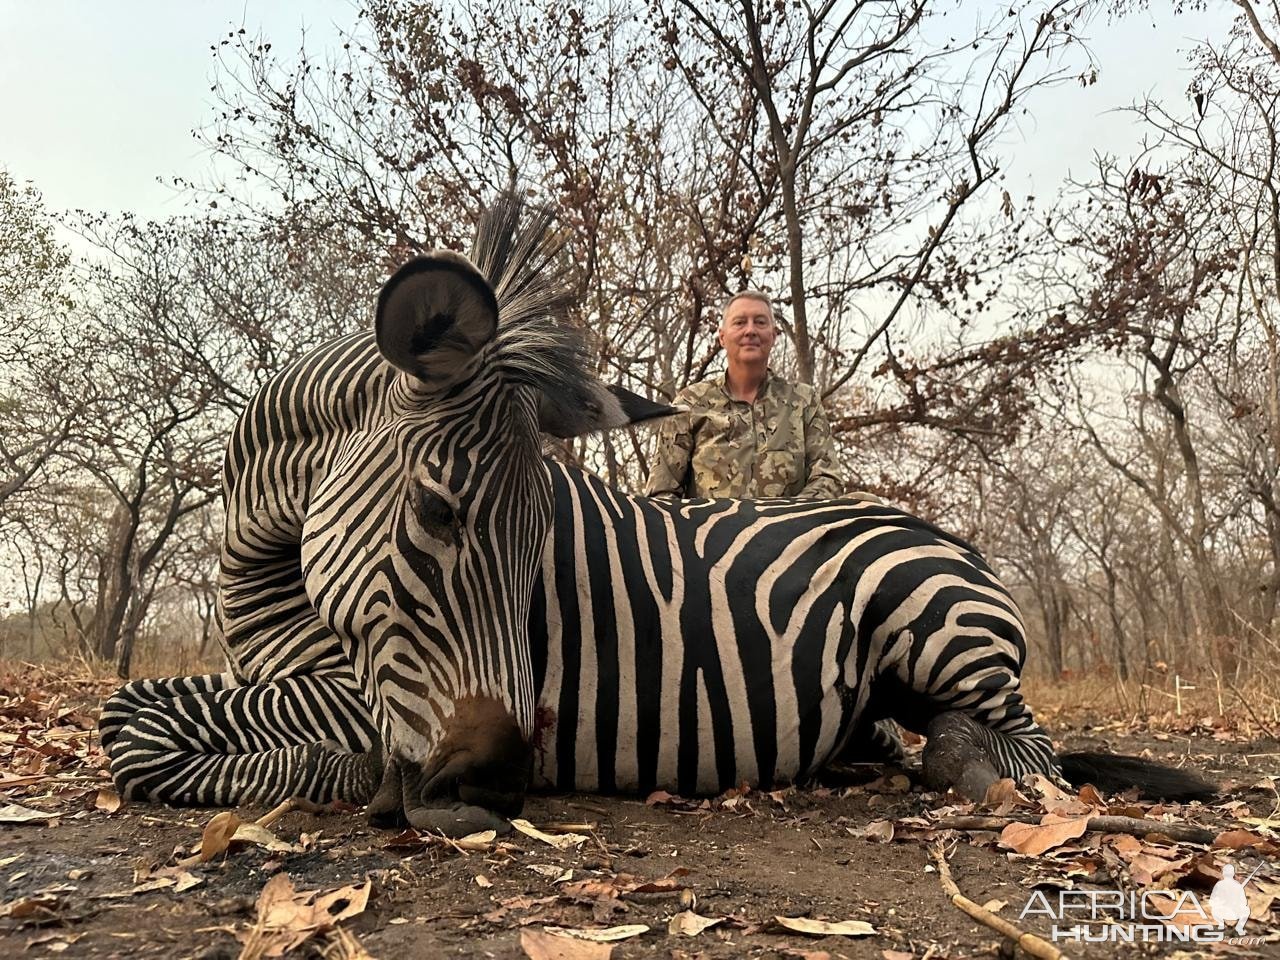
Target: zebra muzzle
475, 779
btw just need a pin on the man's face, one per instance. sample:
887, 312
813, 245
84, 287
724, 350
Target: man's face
747, 331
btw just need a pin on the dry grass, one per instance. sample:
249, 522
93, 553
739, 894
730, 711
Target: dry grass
1162, 701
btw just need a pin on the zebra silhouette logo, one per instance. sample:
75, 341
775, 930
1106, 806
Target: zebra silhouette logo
1228, 903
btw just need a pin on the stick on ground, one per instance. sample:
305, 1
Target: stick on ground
1033, 945
1134, 826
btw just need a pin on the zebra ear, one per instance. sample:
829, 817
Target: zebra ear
435, 316
604, 408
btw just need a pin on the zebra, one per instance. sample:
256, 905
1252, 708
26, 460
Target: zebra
387, 503
423, 614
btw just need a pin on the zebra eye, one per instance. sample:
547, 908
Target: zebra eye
435, 510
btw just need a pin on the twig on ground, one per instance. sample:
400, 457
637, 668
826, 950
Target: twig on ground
1134, 826
290, 805
1033, 945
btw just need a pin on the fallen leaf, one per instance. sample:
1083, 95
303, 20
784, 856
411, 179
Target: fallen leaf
1004, 791
1053, 798
1147, 868
262, 837
561, 841
896, 955
17, 813
108, 801
1265, 824
217, 834
689, 924
605, 935
540, 945
149, 886
1127, 846
1034, 839
995, 906
288, 917
878, 831
1089, 795
1238, 840
41, 907
825, 928
483, 881
185, 881
668, 884
477, 842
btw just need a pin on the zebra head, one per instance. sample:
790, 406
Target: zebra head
437, 517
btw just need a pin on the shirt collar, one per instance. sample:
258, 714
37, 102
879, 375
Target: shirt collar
764, 385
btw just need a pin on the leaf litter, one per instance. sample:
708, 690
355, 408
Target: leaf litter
53, 768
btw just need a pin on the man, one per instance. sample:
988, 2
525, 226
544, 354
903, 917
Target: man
749, 433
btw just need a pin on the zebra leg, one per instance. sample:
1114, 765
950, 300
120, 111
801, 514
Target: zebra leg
969, 755
139, 694
960, 686
308, 737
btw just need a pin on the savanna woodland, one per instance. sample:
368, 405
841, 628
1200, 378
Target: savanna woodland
1085, 384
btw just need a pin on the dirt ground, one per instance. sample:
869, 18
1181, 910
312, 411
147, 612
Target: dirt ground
91, 879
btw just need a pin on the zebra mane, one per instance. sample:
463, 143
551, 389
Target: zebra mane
535, 342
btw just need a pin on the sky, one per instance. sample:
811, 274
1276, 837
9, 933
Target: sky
98, 100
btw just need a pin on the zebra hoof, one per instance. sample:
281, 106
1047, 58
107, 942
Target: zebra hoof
457, 820
955, 758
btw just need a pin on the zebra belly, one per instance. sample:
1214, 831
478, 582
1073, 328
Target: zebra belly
660, 660
684, 755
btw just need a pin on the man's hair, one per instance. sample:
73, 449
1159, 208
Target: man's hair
746, 295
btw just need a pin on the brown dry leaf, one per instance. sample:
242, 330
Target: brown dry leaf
540, 945
107, 800
288, 918
660, 797
480, 842
1259, 904
483, 881
1089, 795
261, 837
342, 945
594, 889
1182, 913
878, 831
40, 907
1238, 840
54, 942
1127, 846
561, 841
17, 813
825, 928
897, 955
185, 881
603, 935
217, 834
686, 923
1147, 868
995, 906
1004, 791
668, 884
1052, 831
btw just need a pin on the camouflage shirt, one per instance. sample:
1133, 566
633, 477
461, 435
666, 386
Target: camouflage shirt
778, 446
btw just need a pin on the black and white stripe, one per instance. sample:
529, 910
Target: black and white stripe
387, 504
694, 645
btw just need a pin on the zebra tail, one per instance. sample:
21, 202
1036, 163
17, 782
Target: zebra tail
1114, 773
